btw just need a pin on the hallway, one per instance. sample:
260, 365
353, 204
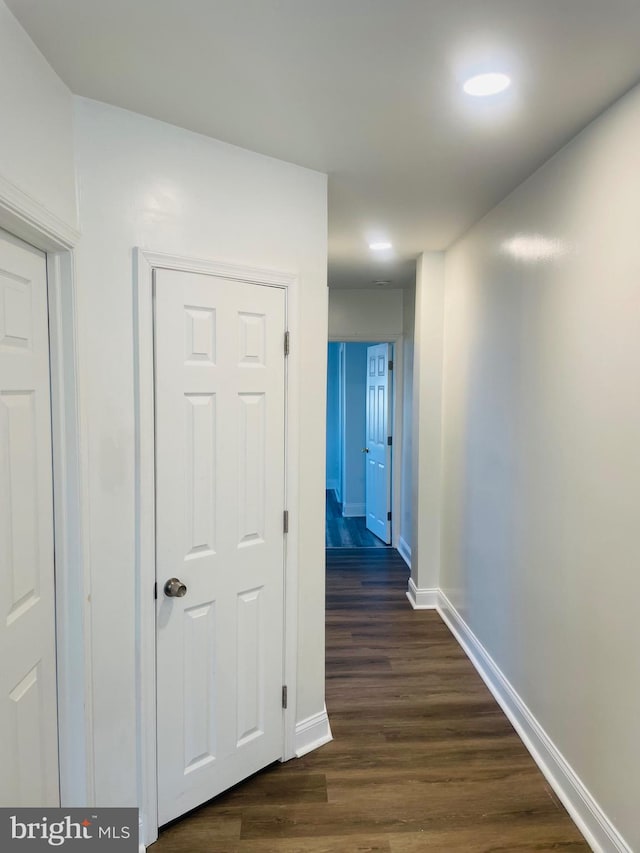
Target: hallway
423, 759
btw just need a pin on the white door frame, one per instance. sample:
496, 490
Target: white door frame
397, 391
144, 264
23, 217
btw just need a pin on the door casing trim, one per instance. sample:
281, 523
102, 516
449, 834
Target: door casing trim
144, 263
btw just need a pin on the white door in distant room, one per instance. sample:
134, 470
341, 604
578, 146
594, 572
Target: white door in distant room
28, 710
220, 445
378, 447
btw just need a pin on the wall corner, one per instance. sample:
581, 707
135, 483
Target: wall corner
427, 420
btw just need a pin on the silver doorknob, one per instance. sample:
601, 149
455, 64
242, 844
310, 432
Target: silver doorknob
174, 588
365, 449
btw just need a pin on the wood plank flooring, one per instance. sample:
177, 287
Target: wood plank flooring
423, 759
343, 532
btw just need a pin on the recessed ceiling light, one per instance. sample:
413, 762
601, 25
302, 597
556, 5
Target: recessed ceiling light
382, 282
380, 247
486, 84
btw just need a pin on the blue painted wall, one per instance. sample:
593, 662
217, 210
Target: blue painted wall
346, 423
355, 400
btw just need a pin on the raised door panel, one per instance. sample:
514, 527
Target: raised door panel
200, 474
251, 339
251, 674
381, 419
199, 686
200, 335
19, 502
251, 469
16, 309
26, 736
372, 426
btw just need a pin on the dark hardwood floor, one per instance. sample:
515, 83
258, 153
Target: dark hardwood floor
343, 532
423, 759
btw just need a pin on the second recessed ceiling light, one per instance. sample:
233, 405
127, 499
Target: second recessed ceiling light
483, 85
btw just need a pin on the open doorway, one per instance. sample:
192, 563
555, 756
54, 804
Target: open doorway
360, 420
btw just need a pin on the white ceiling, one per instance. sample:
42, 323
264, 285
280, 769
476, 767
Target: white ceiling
366, 90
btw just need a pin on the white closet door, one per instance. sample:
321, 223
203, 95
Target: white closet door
220, 444
28, 706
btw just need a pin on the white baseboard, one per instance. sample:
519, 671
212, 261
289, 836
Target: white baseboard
353, 510
313, 732
599, 832
422, 599
404, 551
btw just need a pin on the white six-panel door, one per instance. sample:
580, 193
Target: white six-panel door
220, 401
28, 709
378, 472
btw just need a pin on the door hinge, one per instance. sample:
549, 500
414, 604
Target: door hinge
155, 590
284, 696
285, 521
286, 343
390, 365
389, 516
389, 440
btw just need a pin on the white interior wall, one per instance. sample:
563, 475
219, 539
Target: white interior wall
406, 497
36, 143
373, 315
427, 423
144, 183
540, 548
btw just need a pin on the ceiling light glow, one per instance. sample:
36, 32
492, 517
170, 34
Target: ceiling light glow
483, 85
380, 247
